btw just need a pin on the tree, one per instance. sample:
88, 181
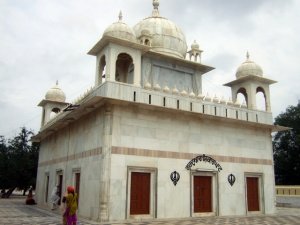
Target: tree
18, 163
286, 146
3, 165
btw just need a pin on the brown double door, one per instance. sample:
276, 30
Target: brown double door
140, 193
253, 193
202, 194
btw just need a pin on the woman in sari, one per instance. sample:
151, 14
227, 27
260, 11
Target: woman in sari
69, 215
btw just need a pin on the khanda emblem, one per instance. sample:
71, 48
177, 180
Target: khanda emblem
231, 179
175, 177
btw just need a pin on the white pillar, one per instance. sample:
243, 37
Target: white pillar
105, 166
137, 70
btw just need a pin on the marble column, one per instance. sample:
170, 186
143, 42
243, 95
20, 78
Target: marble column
105, 166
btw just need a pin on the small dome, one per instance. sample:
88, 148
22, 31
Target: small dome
166, 36
195, 46
120, 30
55, 94
249, 68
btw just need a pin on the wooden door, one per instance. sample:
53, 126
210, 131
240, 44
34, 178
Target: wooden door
252, 194
202, 194
140, 193
77, 185
60, 180
47, 188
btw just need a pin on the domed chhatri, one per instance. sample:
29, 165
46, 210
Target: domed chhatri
248, 68
166, 36
195, 45
120, 30
55, 94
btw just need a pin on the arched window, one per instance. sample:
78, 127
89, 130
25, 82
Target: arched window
147, 42
260, 99
242, 96
102, 70
192, 58
54, 112
124, 68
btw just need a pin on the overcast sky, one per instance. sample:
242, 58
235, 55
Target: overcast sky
42, 41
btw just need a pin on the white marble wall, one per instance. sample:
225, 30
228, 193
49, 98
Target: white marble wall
135, 127
80, 136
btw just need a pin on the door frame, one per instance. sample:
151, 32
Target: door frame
46, 188
214, 192
153, 192
60, 173
260, 192
74, 181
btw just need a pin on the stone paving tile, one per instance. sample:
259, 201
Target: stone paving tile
15, 212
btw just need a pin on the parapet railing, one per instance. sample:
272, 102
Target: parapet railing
178, 101
288, 190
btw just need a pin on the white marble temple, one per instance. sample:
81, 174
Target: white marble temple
146, 117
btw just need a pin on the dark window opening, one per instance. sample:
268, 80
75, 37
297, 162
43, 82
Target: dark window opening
147, 42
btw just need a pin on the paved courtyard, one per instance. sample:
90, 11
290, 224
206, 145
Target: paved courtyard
13, 211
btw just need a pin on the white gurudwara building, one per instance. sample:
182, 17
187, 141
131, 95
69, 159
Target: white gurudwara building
144, 142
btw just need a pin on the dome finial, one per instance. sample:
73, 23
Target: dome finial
120, 16
247, 55
155, 12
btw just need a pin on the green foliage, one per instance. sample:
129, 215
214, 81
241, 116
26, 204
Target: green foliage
286, 146
18, 161
4, 182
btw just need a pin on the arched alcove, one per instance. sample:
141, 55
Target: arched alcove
192, 57
242, 96
102, 70
260, 99
124, 68
54, 112
147, 42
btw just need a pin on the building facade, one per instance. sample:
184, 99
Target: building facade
145, 143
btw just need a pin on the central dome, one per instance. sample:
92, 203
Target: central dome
166, 36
